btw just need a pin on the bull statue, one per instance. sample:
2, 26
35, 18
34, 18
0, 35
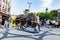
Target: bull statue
29, 20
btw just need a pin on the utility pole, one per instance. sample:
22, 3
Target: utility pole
29, 5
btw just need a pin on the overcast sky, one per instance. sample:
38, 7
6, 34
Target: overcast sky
18, 6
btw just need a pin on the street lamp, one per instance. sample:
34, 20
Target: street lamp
29, 5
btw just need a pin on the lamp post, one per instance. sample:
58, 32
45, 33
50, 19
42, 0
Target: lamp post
29, 3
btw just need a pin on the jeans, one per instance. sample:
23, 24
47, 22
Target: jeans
39, 27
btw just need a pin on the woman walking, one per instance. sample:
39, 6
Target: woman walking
6, 25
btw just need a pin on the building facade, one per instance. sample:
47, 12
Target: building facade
58, 15
5, 6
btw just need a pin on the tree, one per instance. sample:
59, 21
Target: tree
42, 15
26, 11
54, 14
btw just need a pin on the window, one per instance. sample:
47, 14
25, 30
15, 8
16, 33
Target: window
3, 0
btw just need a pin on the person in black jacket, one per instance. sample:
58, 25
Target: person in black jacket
17, 22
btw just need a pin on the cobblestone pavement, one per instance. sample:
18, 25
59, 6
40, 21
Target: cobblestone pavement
44, 34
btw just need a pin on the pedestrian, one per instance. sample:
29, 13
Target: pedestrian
50, 24
53, 23
10, 24
6, 25
34, 23
17, 22
47, 23
38, 22
56, 24
59, 24
44, 22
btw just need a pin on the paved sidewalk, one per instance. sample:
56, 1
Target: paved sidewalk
44, 34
